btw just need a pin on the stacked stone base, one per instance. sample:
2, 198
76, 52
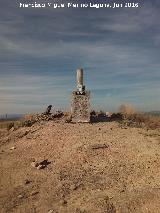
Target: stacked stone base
80, 107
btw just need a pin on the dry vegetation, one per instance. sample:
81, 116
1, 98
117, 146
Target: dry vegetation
131, 117
10, 123
29, 119
127, 116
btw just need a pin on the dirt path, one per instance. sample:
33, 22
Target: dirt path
91, 168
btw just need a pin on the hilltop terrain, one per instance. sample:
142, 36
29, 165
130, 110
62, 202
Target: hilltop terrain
62, 167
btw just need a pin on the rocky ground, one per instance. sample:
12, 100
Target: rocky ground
79, 168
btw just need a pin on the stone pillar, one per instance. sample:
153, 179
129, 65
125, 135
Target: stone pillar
80, 77
80, 104
80, 86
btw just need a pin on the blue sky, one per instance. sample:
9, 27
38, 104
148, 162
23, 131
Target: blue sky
40, 50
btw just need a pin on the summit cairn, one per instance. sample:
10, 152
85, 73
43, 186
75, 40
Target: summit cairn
80, 105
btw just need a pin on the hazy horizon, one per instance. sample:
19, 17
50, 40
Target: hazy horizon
40, 50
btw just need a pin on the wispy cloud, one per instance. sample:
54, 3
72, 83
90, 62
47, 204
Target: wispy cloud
36, 91
41, 49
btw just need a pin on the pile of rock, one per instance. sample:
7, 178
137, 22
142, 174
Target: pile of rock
43, 117
47, 117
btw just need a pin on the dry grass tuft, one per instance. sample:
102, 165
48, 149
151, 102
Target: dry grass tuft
29, 117
127, 110
9, 124
138, 119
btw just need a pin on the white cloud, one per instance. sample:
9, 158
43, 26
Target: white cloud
107, 45
132, 21
25, 92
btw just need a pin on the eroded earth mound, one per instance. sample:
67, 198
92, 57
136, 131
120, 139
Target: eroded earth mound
80, 168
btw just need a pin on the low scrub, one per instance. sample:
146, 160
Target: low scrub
9, 124
138, 119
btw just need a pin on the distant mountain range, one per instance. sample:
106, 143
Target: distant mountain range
154, 113
11, 116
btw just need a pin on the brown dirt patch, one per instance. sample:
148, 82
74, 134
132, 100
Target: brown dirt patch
122, 174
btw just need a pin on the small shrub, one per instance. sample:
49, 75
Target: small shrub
127, 110
66, 114
116, 116
138, 119
10, 125
28, 123
92, 113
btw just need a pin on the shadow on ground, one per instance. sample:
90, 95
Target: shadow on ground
102, 117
